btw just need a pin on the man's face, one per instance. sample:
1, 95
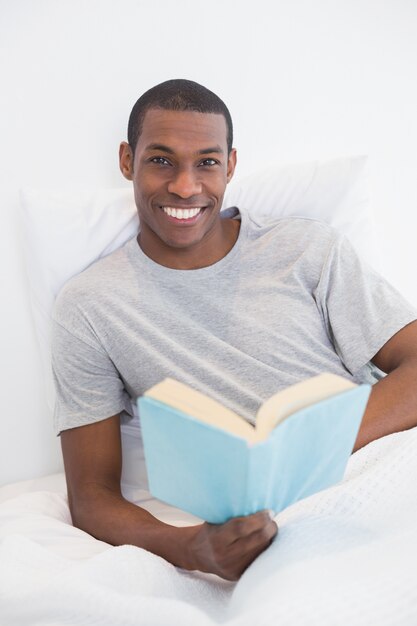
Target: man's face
180, 164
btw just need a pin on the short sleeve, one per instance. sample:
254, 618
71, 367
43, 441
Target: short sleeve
361, 309
88, 386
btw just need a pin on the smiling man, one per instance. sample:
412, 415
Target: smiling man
234, 307
180, 168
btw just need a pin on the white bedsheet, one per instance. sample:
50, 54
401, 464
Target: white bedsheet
345, 556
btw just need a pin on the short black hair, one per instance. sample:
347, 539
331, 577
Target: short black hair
177, 94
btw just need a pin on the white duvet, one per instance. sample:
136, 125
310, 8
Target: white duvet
345, 556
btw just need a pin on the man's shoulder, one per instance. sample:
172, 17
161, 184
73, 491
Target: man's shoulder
98, 279
296, 223
295, 231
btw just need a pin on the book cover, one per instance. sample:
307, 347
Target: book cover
216, 475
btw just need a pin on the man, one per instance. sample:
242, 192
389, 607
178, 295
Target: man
235, 308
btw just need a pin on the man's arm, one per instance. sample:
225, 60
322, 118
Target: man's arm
392, 404
93, 464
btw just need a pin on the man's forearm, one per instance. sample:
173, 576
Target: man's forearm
110, 518
392, 405
222, 549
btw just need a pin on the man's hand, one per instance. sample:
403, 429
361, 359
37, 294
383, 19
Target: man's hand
228, 549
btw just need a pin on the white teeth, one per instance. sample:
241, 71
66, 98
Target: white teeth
181, 214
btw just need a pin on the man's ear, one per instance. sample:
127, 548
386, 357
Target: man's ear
231, 164
126, 160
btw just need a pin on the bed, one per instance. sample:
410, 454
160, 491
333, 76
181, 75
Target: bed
346, 555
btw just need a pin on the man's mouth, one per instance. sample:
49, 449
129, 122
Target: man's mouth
188, 216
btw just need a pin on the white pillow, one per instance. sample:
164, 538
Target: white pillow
65, 231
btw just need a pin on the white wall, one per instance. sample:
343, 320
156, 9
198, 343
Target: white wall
303, 79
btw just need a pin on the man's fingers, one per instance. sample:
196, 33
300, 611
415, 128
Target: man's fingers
245, 550
228, 549
262, 537
244, 526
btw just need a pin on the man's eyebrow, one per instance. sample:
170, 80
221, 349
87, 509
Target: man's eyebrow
210, 150
159, 146
162, 148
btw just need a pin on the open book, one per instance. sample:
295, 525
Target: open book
207, 460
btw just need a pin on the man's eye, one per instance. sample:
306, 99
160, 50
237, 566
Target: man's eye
159, 160
209, 162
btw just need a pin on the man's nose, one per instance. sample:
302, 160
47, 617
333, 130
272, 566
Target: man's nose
185, 184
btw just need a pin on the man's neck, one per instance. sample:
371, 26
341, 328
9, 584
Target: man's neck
216, 246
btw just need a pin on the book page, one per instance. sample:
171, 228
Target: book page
284, 403
201, 407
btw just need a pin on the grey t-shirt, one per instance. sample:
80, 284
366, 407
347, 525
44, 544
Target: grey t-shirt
290, 300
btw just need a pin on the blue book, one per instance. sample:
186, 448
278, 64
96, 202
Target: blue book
205, 459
